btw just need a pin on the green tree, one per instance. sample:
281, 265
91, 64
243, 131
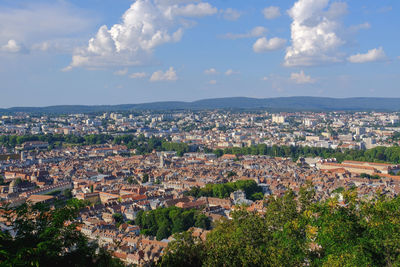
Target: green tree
145, 178
67, 193
48, 240
118, 218
163, 231
185, 250
202, 221
2, 180
298, 231
162, 222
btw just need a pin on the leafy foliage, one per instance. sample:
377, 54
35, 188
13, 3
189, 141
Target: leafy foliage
163, 222
186, 250
93, 139
377, 154
145, 178
45, 237
250, 187
145, 145
142, 144
296, 231
180, 148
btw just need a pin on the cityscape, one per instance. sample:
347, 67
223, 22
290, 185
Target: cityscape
128, 163
140, 151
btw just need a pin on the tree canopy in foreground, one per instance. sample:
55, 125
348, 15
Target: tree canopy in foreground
40, 236
299, 232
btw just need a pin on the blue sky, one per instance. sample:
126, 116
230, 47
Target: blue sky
127, 51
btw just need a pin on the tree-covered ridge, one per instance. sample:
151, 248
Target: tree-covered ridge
12, 141
296, 103
250, 187
142, 144
377, 154
162, 222
39, 236
298, 232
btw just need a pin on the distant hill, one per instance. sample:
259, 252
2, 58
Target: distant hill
298, 103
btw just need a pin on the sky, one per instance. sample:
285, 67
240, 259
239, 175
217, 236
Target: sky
92, 52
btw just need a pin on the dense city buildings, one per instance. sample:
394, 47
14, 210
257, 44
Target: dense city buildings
125, 165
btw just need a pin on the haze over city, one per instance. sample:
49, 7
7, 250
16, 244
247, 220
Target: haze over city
116, 52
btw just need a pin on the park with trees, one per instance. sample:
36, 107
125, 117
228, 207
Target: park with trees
250, 187
163, 222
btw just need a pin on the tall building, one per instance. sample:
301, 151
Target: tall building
360, 130
162, 162
278, 119
309, 122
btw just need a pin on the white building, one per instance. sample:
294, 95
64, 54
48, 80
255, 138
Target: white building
278, 119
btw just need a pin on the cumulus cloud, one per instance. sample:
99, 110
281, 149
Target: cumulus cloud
264, 45
212, 82
271, 12
301, 78
231, 14
315, 32
121, 72
255, 32
231, 72
211, 71
12, 47
146, 25
138, 75
168, 75
376, 54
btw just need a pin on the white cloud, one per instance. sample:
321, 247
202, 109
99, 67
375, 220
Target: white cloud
271, 12
385, 9
192, 10
231, 14
376, 54
211, 71
231, 72
212, 82
146, 25
265, 45
255, 32
336, 10
301, 78
57, 45
265, 78
315, 32
121, 72
363, 26
11, 47
138, 75
44, 46
37, 24
168, 75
